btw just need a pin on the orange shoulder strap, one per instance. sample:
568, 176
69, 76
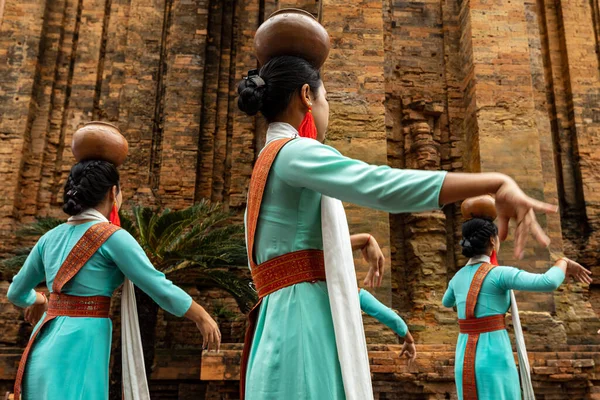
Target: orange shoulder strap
475, 288
83, 250
260, 174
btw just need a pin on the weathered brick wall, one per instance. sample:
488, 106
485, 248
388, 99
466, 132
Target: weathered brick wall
565, 372
452, 85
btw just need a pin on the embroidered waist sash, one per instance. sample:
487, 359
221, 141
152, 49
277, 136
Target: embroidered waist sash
273, 275
482, 325
288, 269
64, 305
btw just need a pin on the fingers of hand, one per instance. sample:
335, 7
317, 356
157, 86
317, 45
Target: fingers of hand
503, 227
204, 339
537, 231
521, 232
381, 262
542, 207
368, 278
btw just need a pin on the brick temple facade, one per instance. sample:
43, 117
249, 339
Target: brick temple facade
458, 85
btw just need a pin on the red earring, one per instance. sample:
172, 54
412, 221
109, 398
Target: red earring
307, 128
494, 258
114, 215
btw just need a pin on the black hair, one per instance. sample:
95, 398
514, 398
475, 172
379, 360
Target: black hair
87, 185
477, 233
271, 91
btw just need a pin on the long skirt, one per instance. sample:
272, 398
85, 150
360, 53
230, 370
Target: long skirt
69, 360
496, 373
293, 354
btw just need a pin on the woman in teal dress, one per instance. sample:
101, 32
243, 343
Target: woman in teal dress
293, 353
495, 369
70, 357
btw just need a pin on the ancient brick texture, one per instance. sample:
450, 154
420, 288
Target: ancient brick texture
452, 85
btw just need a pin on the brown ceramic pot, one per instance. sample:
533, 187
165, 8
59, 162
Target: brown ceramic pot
99, 140
479, 207
292, 32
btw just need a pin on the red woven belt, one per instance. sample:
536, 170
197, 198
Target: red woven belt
482, 325
288, 269
63, 305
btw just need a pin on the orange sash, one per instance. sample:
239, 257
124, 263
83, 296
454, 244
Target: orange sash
474, 327
72, 306
279, 272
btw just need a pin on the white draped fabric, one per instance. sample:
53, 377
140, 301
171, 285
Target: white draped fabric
342, 289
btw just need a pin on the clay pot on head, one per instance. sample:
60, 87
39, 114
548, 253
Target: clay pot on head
479, 207
292, 32
99, 140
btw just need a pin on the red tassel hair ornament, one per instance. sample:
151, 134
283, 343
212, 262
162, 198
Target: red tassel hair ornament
494, 258
113, 218
307, 128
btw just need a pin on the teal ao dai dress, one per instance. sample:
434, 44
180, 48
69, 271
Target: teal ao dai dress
70, 357
496, 374
293, 353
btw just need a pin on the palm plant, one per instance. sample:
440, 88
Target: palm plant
199, 240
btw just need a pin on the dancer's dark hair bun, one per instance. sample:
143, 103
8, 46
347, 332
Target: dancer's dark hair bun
270, 90
477, 233
251, 93
87, 185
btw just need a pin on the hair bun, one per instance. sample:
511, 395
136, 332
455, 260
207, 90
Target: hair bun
71, 207
251, 95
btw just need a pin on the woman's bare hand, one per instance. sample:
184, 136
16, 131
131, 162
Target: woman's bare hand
34, 313
513, 203
577, 272
373, 255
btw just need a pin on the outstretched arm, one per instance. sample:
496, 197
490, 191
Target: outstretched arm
517, 279
373, 307
131, 259
307, 163
385, 315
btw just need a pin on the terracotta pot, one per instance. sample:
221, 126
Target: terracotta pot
292, 32
99, 140
479, 207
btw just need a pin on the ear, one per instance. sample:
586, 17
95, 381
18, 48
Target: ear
305, 96
114, 192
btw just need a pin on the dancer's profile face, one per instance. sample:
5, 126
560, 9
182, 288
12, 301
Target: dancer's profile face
320, 109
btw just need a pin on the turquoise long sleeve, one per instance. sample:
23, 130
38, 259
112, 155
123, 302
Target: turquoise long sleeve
385, 315
449, 300
131, 259
509, 278
312, 165
21, 292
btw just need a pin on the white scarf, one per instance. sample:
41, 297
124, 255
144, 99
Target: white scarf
342, 288
524, 368
135, 386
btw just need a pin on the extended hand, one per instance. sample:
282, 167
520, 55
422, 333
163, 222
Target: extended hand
410, 351
577, 272
373, 255
211, 336
513, 203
